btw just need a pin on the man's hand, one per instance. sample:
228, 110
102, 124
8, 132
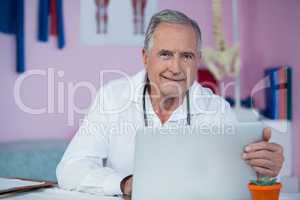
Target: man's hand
264, 157
126, 185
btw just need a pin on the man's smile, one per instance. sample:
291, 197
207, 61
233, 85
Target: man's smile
173, 79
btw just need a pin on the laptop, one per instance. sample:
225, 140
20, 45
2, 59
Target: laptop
193, 162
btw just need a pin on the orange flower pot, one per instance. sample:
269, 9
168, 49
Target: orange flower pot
264, 192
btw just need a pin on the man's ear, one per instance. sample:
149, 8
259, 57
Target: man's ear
145, 58
199, 58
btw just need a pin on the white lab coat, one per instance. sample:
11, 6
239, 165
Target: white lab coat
109, 129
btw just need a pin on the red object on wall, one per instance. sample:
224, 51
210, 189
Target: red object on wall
53, 19
206, 79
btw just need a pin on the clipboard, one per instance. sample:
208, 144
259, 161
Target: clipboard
36, 184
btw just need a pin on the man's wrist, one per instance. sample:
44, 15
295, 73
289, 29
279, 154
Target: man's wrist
123, 184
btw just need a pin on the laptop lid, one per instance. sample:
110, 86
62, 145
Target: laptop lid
193, 162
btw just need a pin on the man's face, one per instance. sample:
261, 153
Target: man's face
172, 59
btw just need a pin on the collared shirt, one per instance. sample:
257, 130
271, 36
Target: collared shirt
101, 153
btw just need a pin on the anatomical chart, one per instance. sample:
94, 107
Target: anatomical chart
115, 22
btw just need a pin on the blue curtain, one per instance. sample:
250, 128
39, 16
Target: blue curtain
12, 22
43, 22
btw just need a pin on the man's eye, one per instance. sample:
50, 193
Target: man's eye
165, 55
187, 56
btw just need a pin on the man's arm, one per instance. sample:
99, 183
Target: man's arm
81, 167
126, 185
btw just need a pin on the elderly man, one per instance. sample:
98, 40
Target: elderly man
100, 156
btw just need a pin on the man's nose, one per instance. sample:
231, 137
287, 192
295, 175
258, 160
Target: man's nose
175, 66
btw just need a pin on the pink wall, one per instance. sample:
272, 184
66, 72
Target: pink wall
269, 35
79, 63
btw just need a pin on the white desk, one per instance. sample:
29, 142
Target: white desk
58, 194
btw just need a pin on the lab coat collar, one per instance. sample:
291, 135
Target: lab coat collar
200, 97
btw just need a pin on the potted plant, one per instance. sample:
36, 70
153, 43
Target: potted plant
264, 188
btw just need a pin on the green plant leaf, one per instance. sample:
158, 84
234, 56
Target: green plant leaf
264, 181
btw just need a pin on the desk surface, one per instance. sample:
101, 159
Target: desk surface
58, 194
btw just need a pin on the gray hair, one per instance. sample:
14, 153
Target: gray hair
170, 16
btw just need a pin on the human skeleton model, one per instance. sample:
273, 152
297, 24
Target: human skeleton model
101, 15
139, 16
222, 60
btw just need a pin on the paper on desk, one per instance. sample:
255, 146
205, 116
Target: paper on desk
6, 183
59, 194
